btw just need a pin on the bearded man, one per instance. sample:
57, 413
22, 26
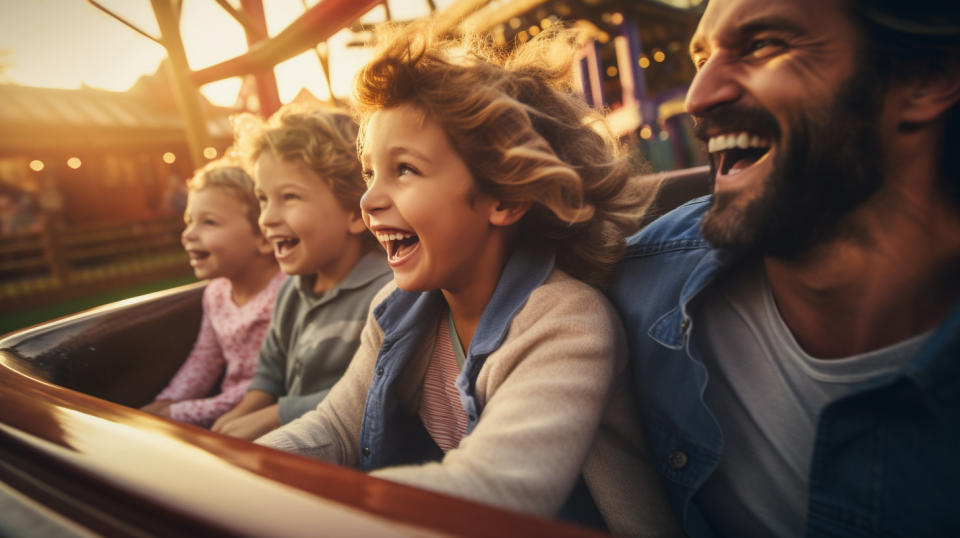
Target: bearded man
795, 337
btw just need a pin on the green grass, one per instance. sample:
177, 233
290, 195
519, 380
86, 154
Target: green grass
31, 316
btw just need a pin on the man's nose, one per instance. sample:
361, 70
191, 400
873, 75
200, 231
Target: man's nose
712, 86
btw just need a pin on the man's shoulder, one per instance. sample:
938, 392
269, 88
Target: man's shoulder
677, 230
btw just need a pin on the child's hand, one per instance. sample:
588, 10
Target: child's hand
159, 408
249, 426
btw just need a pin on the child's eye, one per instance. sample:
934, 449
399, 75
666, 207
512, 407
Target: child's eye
404, 169
210, 222
290, 196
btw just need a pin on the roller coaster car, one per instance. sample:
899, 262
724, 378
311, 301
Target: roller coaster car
78, 458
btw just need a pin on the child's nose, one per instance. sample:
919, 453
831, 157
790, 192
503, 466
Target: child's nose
374, 199
267, 216
187, 233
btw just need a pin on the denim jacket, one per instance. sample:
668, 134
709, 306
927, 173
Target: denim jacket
886, 456
389, 436
385, 435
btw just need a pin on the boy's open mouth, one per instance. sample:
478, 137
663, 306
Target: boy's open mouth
735, 152
398, 244
283, 246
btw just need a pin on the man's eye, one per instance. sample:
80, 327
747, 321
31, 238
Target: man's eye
760, 47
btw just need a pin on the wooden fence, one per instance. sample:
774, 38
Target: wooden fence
62, 262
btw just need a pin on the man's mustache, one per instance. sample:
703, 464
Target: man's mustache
737, 118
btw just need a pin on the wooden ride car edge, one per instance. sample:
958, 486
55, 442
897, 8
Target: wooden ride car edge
219, 483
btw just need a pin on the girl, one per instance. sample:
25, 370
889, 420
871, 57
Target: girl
491, 368
225, 245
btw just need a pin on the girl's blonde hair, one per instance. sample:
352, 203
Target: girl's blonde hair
523, 130
227, 174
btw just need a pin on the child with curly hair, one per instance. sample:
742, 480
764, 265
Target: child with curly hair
491, 368
308, 183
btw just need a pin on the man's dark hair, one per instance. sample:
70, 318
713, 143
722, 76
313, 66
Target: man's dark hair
916, 38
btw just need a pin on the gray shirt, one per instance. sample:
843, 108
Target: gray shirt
767, 394
312, 336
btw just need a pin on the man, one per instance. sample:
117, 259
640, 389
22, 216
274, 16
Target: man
796, 336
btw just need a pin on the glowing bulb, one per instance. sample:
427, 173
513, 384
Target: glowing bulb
616, 19
646, 132
534, 30
643, 62
611, 71
74, 163
659, 56
210, 152
36, 165
169, 157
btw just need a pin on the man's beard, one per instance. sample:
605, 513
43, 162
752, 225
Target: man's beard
829, 165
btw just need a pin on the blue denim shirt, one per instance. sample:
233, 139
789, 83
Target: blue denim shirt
886, 457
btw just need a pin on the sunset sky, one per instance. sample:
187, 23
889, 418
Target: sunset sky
69, 43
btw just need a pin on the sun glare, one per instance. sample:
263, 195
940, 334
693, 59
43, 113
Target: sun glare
70, 43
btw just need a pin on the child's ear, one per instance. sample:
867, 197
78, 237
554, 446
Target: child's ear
356, 225
264, 246
927, 97
508, 213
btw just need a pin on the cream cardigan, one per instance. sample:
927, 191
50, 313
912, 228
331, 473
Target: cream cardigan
555, 400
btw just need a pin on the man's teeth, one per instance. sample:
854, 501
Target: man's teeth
393, 236
741, 140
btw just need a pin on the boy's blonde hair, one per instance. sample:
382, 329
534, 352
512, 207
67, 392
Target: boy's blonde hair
523, 130
229, 175
323, 138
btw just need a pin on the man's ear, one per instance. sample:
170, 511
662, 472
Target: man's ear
508, 213
927, 97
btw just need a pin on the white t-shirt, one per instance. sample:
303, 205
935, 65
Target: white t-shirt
767, 394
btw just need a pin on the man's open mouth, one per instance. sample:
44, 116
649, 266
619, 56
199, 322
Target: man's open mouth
737, 151
398, 244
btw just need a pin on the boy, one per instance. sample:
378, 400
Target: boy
308, 183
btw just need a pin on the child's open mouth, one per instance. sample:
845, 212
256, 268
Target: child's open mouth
197, 256
282, 247
399, 245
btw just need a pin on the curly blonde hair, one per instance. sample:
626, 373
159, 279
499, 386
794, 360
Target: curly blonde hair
323, 138
523, 130
228, 174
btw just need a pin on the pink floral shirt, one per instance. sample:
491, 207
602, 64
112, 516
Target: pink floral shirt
228, 343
